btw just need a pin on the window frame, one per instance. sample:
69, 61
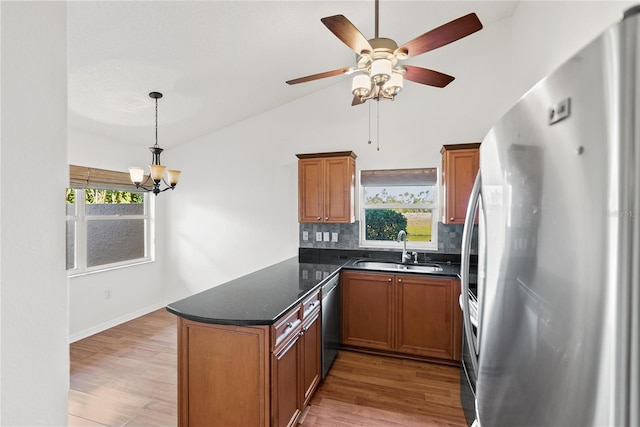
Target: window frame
81, 220
386, 244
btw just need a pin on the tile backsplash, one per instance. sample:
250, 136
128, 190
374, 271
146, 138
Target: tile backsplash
449, 236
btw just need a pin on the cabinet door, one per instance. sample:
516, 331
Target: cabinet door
285, 384
310, 190
460, 168
367, 310
339, 189
311, 357
223, 375
426, 323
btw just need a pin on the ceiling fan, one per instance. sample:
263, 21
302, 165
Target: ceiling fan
378, 73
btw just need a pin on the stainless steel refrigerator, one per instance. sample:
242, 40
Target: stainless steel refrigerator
558, 197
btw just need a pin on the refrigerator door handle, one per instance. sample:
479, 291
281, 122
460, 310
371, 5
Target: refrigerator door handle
472, 209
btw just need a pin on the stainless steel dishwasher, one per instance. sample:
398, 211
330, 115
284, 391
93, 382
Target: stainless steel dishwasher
330, 323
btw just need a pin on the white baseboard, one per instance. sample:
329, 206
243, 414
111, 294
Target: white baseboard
114, 322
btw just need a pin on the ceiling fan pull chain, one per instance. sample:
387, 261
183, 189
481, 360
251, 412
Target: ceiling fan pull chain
369, 142
378, 122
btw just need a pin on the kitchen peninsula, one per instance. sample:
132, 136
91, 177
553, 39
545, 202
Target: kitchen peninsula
249, 350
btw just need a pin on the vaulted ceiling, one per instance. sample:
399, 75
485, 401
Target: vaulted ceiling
219, 62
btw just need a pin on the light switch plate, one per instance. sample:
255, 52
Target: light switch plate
334, 237
305, 235
319, 236
326, 236
318, 275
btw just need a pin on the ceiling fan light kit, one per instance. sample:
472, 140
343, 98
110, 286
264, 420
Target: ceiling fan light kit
156, 168
378, 73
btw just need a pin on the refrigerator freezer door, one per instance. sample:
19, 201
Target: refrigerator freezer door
561, 289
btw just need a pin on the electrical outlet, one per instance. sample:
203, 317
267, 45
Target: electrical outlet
326, 236
318, 275
318, 236
305, 235
107, 293
334, 237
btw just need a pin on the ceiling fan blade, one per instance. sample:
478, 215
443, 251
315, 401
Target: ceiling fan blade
348, 33
443, 35
356, 100
319, 76
427, 77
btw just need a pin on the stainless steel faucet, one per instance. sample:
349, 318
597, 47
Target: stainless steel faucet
402, 237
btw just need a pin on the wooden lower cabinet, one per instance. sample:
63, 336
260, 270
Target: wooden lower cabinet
311, 357
410, 315
296, 372
429, 321
367, 310
223, 375
249, 375
285, 384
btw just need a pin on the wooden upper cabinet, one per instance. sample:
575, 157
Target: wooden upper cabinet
326, 187
460, 164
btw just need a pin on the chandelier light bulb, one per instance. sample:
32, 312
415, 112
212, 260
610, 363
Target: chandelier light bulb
173, 176
137, 175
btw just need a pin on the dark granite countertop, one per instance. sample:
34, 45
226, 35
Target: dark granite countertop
444, 269
260, 298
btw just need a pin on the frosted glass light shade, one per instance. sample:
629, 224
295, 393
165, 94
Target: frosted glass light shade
173, 176
381, 71
136, 174
156, 172
394, 85
361, 85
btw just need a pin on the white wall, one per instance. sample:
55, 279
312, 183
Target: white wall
34, 356
135, 290
547, 33
236, 210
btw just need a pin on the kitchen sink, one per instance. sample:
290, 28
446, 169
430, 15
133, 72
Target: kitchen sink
396, 266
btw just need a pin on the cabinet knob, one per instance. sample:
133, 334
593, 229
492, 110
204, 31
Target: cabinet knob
321, 218
450, 219
288, 327
326, 219
389, 279
399, 280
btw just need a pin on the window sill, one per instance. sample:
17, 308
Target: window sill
111, 267
432, 247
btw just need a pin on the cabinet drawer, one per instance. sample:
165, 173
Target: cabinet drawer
285, 327
310, 304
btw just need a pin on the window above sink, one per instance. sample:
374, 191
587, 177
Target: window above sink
399, 199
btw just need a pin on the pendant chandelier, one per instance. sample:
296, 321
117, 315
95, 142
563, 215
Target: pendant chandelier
157, 170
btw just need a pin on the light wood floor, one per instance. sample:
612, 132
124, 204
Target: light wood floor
126, 376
